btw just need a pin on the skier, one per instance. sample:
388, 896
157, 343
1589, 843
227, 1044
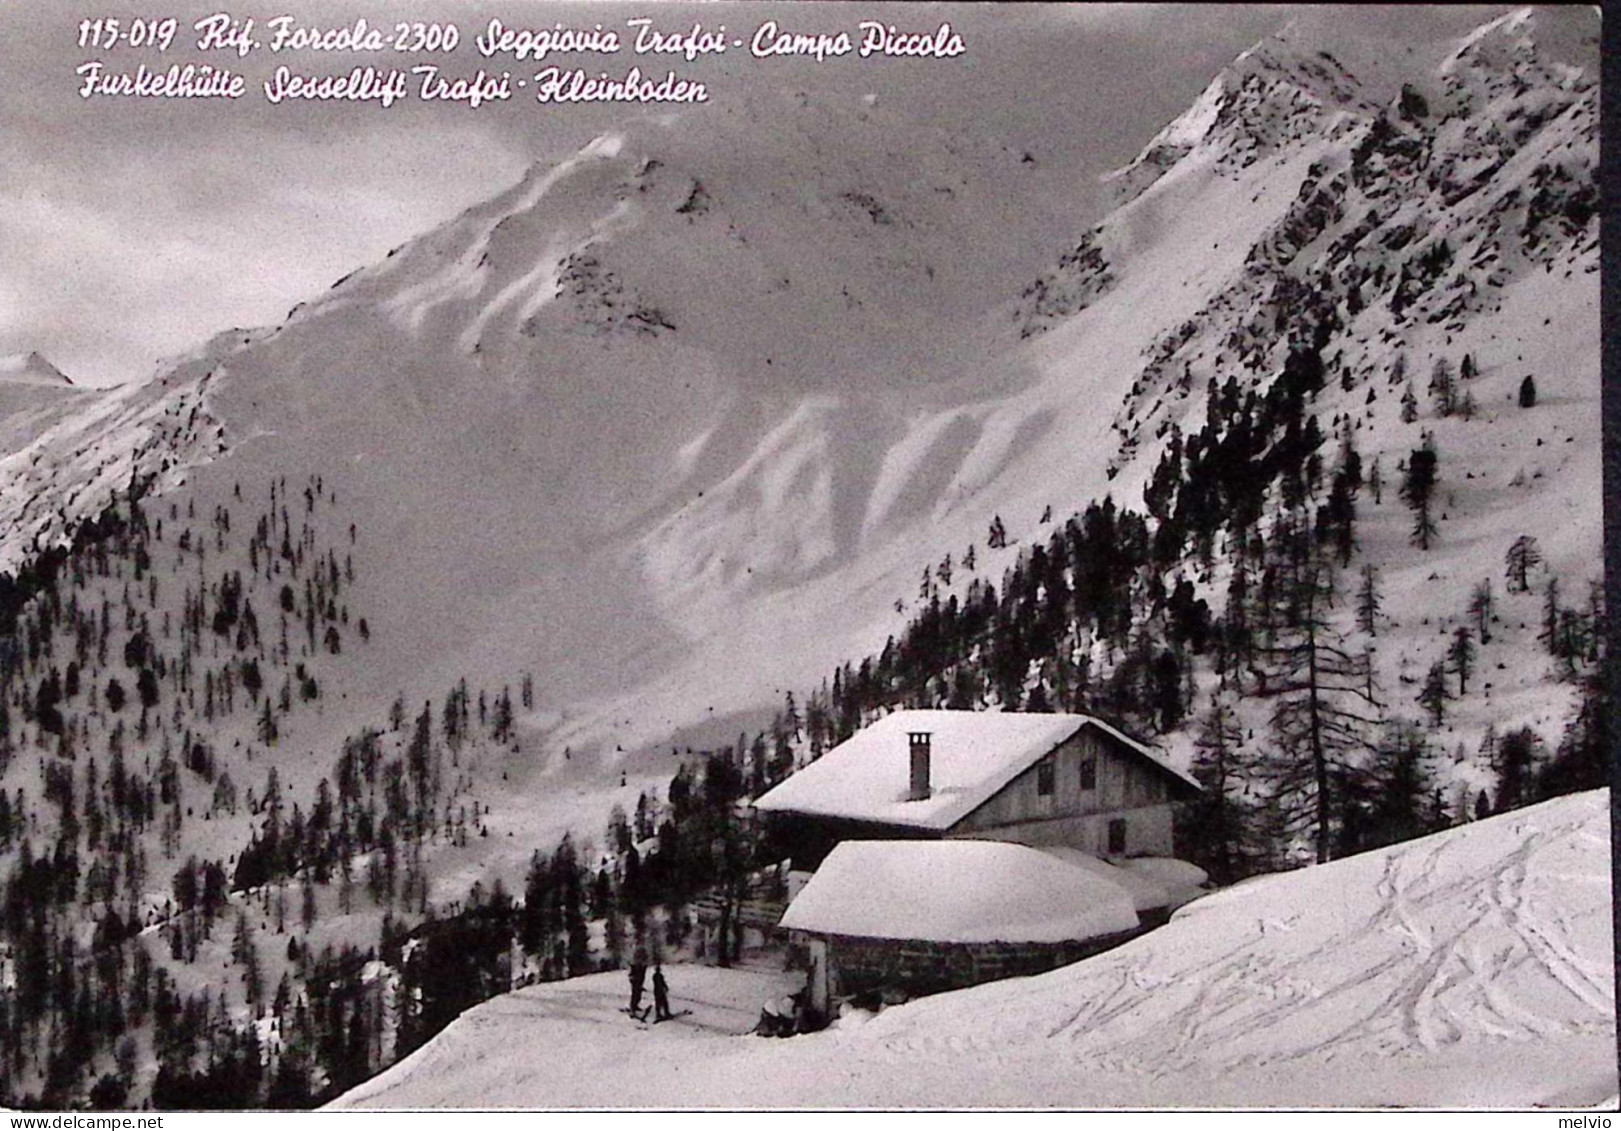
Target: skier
638, 984
661, 996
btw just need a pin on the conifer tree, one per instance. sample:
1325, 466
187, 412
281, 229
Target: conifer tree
1523, 556
1322, 709
1442, 389
1572, 643
1401, 784
1219, 826
1582, 759
266, 728
1409, 405
1515, 765
1461, 654
1368, 603
1418, 489
1480, 610
1550, 635
1433, 695
997, 538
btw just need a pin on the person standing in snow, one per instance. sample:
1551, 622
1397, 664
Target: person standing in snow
638, 983
661, 996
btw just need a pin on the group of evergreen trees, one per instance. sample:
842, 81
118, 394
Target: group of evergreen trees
1104, 617
122, 655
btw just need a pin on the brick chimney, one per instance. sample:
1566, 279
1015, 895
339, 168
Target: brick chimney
919, 742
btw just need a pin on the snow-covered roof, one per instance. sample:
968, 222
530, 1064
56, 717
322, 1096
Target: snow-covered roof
957, 891
972, 755
1145, 893
1181, 879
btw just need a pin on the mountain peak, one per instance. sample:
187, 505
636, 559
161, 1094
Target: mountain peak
31, 368
1291, 85
1297, 55
1524, 45
1513, 32
1284, 87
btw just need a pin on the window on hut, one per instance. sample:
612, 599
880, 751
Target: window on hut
1117, 837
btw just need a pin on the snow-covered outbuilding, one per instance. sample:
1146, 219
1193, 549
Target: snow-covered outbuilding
1033, 779
922, 916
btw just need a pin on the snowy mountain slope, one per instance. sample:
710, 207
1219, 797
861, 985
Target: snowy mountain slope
644, 480
77, 448
579, 464
1473, 968
33, 394
540, 380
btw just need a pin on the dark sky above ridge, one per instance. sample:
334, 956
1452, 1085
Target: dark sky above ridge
135, 228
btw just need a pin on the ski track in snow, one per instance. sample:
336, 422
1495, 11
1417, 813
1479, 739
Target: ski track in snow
1427, 955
